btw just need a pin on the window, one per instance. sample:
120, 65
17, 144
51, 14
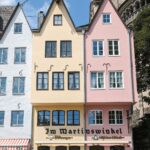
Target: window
18, 28
98, 49
58, 117
43, 148
2, 118
50, 49
74, 147
57, 20
20, 55
74, 80
96, 147
58, 81
61, 148
73, 117
43, 118
17, 118
2, 86
117, 148
42, 81
66, 49
3, 55
116, 79
115, 117
97, 80
19, 85
95, 117
113, 47
106, 18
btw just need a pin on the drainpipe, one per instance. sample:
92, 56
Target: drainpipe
132, 78
85, 96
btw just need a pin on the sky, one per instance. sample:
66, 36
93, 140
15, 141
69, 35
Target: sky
79, 9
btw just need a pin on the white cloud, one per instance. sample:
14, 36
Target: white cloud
7, 2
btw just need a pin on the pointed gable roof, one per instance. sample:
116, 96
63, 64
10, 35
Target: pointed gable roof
99, 8
49, 9
10, 19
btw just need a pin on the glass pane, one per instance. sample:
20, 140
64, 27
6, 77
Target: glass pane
23, 55
15, 86
1, 118
91, 117
17, 55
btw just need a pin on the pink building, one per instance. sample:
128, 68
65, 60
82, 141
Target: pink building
111, 80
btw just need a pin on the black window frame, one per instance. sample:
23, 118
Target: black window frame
74, 80
51, 50
44, 118
58, 78
57, 15
42, 81
58, 118
73, 124
66, 51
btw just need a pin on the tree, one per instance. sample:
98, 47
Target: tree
141, 27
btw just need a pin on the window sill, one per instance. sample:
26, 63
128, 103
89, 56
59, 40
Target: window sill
18, 94
114, 56
3, 63
17, 125
19, 63
96, 124
116, 88
18, 33
1, 126
98, 89
2, 94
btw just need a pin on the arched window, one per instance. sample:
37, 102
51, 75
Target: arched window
43, 148
96, 147
142, 3
61, 148
117, 148
74, 148
1, 23
137, 5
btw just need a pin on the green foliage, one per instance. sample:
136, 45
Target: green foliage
142, 51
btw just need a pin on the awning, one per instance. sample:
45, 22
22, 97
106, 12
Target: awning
14, 144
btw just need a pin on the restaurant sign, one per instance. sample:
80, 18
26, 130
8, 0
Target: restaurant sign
102, 131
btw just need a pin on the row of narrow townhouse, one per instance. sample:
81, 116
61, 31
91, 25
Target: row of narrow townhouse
65, 87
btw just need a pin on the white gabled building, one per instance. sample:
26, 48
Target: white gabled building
15, 84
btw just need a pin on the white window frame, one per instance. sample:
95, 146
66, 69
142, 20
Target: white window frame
115, 110
98, 40
20, 55
19, 85
94, 110
106, 13
4, 94
21, 27
17, 125
113, 48
115, 88
4, 48
97, 80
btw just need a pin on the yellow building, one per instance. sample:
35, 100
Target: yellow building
58, 82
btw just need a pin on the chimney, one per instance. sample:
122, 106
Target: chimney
93, 7
40, 18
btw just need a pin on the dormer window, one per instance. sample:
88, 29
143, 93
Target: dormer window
18, 28
106, 18
57, 20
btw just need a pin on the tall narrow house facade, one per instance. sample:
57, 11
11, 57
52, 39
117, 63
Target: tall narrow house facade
57, 81
15, 83
110, 80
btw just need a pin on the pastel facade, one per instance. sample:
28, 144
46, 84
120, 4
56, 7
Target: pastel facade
57, 79
110, 77
15, 75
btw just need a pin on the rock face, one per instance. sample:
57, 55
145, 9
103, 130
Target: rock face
5, 14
